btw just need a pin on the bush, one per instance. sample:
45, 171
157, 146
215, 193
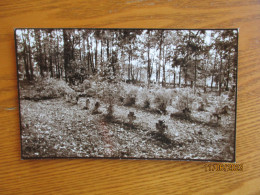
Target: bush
161, 103
131, 117
205, 100
185, 99
201, 107
185, 114
90, 92
147, 103
86, 84
95, 109
221, 104
121, 99
130, 101
46, 88
214, 119
130, 98
109, 92
109, 115
161, 127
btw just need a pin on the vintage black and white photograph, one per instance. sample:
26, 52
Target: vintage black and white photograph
127, 93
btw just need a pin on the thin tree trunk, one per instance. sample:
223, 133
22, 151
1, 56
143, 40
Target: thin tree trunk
30, 59
96, 58
148, 64
129, 66
45, 59
219, 75
174, 75
164, 62
66, 53
195, 75
228, 71
160, 57
107, 50
27, 74
101, 55
180, 77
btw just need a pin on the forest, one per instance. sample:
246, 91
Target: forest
127, 93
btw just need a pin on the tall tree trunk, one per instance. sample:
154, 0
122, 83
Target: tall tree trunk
211, 84
101, 55
212, 75
180, 77
73, 48
39, 58
96, 56
149, 63
132, 71
164, 63
107, 50
84, 51
92, 63
220, 76
57, 59
195, 75
160, 56
30, 59
27, 74
45, 60
51, 68
129, 66
88, 56
174, 75
228, 71
66, 53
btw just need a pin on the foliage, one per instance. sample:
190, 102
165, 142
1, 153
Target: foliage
185, 99
161, 127
47, 88
147, 103
137, 56
109, 115
185, 114
161, 102
130, 98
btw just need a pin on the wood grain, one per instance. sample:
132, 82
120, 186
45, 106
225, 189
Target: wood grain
88, 176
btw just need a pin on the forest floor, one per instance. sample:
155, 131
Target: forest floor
56, 128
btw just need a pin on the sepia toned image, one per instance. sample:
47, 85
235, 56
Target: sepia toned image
127, 93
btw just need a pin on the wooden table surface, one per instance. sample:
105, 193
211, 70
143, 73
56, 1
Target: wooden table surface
88, 176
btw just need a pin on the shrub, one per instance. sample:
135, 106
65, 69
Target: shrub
130, 98
110, 111
224, 110
130, 101
147, 103
131, 117
161, 127
87, 104
185, 114
185, 99
201, 107
95, 109
86, 84
161, 103
121, 99
109, 92
215, 118
90, 92
47, 88
221, 104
